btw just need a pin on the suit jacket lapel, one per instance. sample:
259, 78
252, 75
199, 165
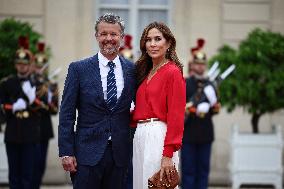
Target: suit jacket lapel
126, 83
97, 79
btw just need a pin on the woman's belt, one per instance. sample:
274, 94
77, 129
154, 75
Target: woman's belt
148, 120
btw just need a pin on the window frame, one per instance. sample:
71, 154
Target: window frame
134, 7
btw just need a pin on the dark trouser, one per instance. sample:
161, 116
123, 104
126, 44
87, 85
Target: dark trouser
41, 163
195, 163
129, 178
21, 163
104, 175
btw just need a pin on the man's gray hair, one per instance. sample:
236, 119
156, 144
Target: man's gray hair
112, 19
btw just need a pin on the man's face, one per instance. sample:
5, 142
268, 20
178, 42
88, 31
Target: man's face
37, 69
199, 68
109, 38
22, 69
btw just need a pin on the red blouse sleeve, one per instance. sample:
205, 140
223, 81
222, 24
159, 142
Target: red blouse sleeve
176, 100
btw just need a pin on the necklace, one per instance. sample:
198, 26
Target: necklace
155, 69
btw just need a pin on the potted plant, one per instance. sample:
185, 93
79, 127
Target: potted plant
257, 85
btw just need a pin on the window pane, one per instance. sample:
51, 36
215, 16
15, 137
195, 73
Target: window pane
124, 14
147, 16
153, 2
114, 1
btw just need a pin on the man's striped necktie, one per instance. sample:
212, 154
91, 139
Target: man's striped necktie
111, 87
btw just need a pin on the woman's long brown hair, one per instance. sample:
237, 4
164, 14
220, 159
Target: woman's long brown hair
144, 64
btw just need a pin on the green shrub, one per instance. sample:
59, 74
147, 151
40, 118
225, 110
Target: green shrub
10, 30
257, 84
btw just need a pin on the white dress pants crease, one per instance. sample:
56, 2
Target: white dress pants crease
148, 146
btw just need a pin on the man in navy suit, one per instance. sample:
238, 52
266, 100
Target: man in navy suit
101, 88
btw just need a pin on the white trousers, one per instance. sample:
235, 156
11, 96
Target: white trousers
148, 146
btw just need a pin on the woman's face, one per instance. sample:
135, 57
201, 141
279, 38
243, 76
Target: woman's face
156, 44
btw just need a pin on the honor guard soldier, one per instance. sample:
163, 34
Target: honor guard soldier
22, 131
47, 100
126, 49
201, 98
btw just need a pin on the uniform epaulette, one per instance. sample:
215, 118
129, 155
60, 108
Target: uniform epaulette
6, 78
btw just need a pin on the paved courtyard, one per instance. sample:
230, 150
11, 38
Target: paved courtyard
213, 187
70, 187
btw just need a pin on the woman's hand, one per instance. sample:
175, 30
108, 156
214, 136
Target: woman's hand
167, 166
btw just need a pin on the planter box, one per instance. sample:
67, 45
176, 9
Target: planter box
256, 158
3, 161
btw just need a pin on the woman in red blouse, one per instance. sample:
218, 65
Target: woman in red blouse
160, 105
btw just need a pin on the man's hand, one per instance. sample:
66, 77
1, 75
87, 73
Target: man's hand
49, 96
202, 108
69, 163
210, 94
20, 104
166, 167
132, 106
29, 91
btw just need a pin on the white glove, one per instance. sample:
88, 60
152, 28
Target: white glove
26, 86
210, 94
29, 91
20, 104
49, 96
202, 108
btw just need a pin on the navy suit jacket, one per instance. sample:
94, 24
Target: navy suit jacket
95, 121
